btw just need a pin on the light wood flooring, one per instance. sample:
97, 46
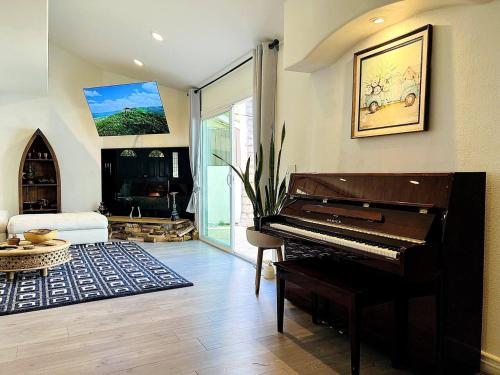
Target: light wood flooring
218, 326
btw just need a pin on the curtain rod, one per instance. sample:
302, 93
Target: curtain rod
274, 44
223, 75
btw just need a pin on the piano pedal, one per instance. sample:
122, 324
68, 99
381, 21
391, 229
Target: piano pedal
338, 326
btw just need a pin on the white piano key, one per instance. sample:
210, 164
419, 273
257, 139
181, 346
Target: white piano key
392, 254
359, 230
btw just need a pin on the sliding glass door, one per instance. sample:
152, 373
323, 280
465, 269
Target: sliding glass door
217, 180
243, 148
226, 209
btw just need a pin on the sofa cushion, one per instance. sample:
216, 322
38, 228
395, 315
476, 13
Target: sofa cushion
62, 222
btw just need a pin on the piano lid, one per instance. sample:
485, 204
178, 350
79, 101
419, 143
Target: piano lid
415, 189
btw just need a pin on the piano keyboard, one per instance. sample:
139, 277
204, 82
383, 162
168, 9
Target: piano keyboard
354, 229
369, 248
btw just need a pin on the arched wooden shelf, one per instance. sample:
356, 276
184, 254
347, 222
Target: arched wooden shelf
39, 178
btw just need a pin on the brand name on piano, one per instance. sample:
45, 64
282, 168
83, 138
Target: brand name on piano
335, 219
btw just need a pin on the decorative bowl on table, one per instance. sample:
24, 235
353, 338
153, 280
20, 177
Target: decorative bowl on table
40, 235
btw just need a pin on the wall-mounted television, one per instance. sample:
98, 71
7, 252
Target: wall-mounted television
128, 109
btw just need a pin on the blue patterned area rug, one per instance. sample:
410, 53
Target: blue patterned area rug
97, 271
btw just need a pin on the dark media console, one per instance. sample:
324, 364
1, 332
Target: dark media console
145, 177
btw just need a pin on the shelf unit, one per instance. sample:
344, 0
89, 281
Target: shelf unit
32, 194
33, 185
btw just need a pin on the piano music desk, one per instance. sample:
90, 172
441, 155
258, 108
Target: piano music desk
354, 291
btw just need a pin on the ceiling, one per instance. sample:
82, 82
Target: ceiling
201, 37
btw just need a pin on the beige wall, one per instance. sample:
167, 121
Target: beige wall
60, 112
75, 142
75, 137
464, 121
23, 87
317, 19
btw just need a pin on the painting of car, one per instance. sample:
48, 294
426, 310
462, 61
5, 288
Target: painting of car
391, 86
400, 88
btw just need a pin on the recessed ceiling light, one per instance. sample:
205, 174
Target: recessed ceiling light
377, 20
138, 62
157, 37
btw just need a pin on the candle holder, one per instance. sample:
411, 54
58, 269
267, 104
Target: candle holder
175, 215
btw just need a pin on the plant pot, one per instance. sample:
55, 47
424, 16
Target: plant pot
258, 239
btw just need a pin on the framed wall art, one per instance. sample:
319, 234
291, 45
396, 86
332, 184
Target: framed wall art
391, 86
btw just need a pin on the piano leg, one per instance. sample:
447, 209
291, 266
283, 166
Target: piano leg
354, 333
280, 301
400, 338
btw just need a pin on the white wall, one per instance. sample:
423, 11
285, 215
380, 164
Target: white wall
464, 119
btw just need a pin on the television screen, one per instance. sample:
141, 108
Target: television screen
129, 109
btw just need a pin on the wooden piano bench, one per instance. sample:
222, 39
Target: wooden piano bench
352, 290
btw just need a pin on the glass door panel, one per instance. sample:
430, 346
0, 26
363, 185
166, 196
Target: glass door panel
243, 148
216, 184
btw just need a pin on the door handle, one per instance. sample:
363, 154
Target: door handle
229, 179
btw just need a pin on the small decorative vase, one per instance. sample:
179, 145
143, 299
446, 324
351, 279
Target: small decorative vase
13, 241
30, 175
131, 215
268, 270
102, 208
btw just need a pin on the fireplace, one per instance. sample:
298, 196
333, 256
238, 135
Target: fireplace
145, 178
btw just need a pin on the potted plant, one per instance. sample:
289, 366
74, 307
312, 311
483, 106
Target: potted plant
266, 199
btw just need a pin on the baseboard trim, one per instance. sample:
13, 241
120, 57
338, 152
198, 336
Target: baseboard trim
490, 363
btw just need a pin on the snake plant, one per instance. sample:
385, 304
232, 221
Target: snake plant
266, 198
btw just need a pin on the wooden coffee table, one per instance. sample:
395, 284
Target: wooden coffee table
41, 257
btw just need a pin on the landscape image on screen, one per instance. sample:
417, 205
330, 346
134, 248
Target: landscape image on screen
129, 109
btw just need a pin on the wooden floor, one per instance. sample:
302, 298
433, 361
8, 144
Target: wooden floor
216, 327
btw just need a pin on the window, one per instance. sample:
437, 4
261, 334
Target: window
175, 164
156, 154
128, 154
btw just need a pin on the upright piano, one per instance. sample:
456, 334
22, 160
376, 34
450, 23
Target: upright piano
426, 231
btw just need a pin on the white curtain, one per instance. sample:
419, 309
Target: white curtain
264, 99
194, 152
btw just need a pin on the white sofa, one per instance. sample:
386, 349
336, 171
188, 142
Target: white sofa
4, 219
78, 228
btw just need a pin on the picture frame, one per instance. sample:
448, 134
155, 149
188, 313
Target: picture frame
391, 86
